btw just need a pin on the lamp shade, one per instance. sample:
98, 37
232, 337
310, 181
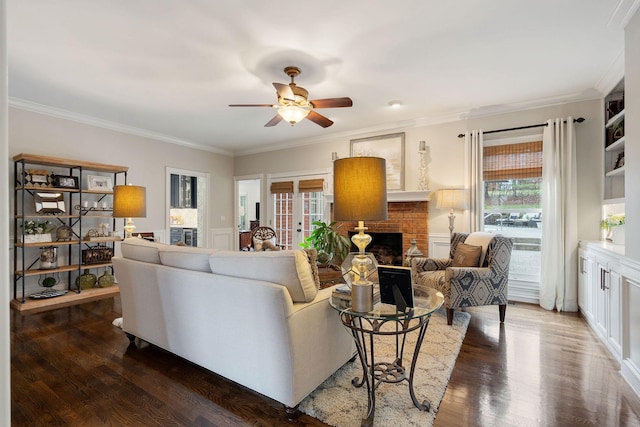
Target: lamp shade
129, 201
360, 189
293, 114
452, 198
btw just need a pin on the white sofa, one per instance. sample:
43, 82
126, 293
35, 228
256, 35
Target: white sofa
256, 318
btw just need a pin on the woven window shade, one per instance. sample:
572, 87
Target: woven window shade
512, 161
282, 187
310, 185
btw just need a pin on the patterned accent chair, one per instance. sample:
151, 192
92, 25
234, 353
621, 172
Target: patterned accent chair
467, 286
264, 239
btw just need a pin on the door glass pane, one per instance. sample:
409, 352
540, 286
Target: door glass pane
283, 219
312, 210
512, 208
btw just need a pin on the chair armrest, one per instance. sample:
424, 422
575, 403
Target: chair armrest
420, 264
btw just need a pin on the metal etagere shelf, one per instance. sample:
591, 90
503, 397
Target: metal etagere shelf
54, 190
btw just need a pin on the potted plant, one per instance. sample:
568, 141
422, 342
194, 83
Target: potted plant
332, 247
614, 225
37, 231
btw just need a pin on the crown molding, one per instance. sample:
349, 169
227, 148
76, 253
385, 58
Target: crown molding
106, 124
613, 75
622, 13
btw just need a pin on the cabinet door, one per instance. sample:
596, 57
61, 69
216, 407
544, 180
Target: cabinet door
601, 300
586, 285
614, 321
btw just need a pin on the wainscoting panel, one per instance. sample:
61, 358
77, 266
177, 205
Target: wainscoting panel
222, 238
439, 245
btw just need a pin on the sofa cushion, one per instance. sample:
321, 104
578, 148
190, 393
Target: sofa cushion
467, 255
287, 268
140, 249
480, 238
186, 257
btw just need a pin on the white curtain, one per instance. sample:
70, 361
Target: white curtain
559, 278
473, 142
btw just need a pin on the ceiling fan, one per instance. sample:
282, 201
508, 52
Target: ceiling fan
294, 105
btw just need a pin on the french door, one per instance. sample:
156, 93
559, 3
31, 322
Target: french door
296, 202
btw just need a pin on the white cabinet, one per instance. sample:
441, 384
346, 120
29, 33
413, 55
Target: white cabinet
600, 293
586, 291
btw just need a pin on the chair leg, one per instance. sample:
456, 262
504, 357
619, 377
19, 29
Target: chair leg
503, 309
449, 316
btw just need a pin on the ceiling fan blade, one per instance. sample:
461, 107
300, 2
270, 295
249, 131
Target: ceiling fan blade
332, 102
251, 105
284, 91
319, 119
276, 119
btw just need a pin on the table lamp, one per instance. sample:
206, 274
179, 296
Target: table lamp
360, 194
129, 201
452, 198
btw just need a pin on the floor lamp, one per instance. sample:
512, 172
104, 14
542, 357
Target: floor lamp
360, 194
129, 201
452, 199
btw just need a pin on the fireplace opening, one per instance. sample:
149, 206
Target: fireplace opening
386, 247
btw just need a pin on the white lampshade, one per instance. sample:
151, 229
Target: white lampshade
293, 114
452, 198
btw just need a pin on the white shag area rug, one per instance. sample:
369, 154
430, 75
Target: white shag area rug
338, 403
117, 322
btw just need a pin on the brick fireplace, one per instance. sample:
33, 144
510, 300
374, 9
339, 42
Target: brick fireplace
411, 218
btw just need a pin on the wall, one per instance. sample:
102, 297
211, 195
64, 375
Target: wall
147, 159
632, 135
447, 153
5, 356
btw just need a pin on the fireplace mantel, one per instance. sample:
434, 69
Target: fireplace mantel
398, 196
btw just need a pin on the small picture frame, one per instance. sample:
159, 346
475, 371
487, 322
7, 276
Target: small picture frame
51, 203
99, 182
62, 181
37, 178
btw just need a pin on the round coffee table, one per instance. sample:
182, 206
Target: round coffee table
385, 320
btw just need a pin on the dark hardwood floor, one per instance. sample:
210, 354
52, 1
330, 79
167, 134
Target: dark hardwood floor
71, 367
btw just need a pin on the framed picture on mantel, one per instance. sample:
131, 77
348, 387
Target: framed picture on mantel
389, 147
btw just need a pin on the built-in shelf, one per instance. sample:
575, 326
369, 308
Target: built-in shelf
613, 120
618, 145
616, 172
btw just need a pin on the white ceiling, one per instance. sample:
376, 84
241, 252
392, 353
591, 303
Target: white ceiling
169, 68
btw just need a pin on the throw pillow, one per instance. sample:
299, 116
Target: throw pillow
312, 255
480, 238
467, 255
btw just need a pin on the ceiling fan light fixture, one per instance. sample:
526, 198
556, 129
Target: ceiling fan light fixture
293, 114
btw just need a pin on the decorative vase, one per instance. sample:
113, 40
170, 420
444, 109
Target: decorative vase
618, 235
87, 280
49, 257
106, 280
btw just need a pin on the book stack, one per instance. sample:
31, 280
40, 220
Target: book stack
342, 292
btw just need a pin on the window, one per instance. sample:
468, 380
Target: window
512, 176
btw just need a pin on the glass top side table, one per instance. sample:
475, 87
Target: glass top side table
385, 320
